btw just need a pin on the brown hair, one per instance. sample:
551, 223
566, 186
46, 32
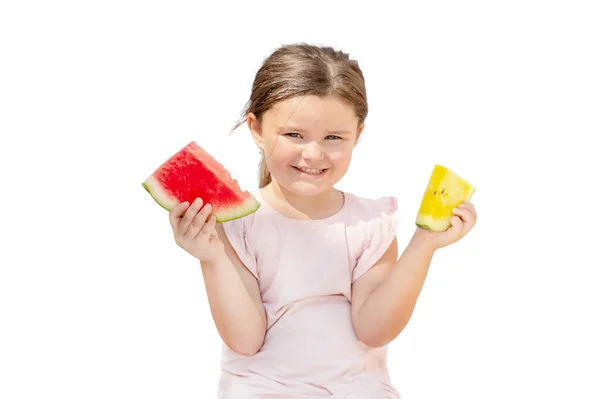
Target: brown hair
304, 69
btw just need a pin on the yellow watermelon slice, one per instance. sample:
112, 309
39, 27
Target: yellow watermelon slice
191, 173
445, 191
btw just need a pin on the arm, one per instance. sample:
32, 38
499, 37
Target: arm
384, 298
235, 302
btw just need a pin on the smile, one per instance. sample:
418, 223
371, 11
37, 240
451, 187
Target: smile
310, 171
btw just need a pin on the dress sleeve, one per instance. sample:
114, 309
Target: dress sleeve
379, 232
237, 234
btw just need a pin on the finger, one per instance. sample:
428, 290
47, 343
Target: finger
198, 222
465, 215
473, 212
208, 230
213, 221
175, 214
470, 207
457, 223
190, 214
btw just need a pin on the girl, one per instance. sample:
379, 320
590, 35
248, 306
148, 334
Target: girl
307, 292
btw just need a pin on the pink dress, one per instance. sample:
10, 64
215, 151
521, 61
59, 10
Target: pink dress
305, 270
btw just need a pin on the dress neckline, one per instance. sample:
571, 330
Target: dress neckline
340, 212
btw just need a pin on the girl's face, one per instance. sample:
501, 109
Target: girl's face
307, 142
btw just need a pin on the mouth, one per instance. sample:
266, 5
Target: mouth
310, 171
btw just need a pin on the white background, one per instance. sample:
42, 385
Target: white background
97, 300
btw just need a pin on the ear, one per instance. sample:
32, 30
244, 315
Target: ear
359, 132
255, 130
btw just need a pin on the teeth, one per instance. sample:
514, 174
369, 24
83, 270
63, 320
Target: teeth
311, 171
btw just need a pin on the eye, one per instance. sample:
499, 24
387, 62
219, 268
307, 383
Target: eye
293, 134
332, 137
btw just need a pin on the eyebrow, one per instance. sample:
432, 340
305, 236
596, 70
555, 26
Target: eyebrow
292, 128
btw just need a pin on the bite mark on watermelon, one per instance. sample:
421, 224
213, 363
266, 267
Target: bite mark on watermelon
193, 173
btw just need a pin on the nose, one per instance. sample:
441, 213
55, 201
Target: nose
312, 151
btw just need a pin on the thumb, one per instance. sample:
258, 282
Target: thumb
176, 213
212, 222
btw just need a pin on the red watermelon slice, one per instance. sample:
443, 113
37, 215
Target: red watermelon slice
192, 173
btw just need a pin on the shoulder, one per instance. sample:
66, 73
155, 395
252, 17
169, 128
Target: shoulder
253, 225
238, 233
371, 227
371, 210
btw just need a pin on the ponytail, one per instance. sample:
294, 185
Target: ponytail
264, 176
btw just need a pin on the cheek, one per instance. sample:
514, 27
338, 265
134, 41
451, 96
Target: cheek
340, 156
281, 153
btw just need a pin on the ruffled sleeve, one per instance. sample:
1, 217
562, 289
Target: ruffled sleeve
379, 228
237, 234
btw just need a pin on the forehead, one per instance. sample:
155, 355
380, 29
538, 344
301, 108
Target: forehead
312, 113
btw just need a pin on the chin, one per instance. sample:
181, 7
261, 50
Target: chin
308, 188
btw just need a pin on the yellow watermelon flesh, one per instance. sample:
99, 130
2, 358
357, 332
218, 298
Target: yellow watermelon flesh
445, 191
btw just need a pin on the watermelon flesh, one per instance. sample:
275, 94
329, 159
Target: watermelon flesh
193, 173
445, 191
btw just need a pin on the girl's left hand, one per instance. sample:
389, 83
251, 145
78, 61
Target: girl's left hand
462, 222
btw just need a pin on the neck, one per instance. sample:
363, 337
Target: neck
293, 205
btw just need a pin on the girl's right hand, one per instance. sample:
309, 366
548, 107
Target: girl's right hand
193, 233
